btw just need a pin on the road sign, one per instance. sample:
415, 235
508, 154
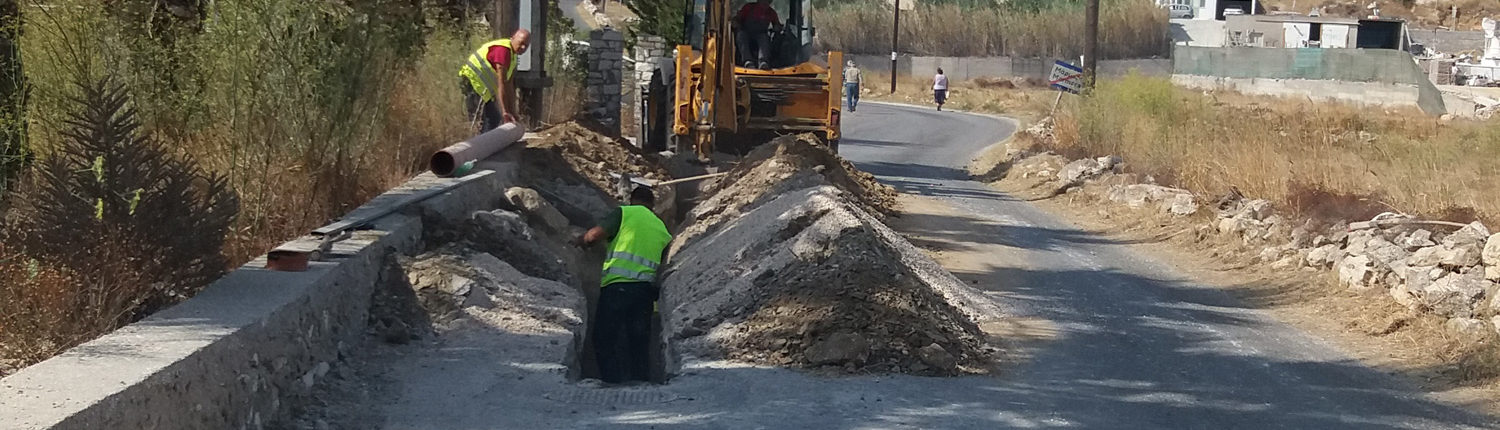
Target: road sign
1066, 77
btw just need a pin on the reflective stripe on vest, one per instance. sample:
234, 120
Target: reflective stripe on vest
481, 73
635, 251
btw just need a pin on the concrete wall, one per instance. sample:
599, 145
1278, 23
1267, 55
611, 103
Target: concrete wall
1449, 41
1371, 93
1332, 66
963, 68
239, 353
1193, 32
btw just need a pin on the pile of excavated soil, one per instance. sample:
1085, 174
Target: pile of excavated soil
596, 155
809, 279
571, 166
785, 164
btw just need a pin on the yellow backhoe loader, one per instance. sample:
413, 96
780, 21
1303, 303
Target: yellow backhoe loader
710, 98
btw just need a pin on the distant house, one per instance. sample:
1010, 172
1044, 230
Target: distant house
1297, 31
1214, 9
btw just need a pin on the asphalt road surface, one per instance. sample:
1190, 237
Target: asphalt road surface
1135, 345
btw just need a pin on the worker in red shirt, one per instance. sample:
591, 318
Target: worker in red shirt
756, 20
489, 92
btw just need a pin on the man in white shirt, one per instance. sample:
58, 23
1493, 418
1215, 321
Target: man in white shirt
851, 85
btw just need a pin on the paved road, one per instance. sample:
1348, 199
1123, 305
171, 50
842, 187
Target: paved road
1136, 345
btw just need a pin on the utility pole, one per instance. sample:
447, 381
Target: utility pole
895, 36
1091, 43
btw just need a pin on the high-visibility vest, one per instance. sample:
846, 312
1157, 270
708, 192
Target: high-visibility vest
635, 252
481, 74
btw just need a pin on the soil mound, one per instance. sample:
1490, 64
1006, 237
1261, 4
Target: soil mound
785, 164
595, 155
809, 279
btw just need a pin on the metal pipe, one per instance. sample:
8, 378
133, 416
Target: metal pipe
447, 161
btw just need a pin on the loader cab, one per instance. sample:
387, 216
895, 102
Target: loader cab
793, 44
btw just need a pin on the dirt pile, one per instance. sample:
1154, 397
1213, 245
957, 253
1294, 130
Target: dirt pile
785, 263
596, 155
571, 166
785, 164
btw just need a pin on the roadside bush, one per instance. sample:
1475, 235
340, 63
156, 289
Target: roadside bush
296, 110
122, 227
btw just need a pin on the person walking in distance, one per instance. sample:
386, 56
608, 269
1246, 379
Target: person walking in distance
622, 325
485, 79
851, 85
940, 88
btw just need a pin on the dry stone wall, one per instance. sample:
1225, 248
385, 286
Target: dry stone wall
606, 66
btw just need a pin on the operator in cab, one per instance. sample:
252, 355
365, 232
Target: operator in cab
755, 21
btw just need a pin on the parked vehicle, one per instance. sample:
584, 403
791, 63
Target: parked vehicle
1176, 11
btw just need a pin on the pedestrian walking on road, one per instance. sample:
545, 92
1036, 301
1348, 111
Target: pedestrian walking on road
485, 79
622, 324
851, 85
940, 88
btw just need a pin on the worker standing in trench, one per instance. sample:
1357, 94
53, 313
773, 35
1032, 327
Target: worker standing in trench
489, 92
622, 326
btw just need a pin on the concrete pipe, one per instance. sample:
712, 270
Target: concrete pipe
457, 158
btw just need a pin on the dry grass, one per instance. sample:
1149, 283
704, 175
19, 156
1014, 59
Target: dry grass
1327, 160
1127, 29
1305, 156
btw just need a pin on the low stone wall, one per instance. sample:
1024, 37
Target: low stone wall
965, 68
252, 343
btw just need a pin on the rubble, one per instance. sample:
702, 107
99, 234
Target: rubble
805, 274
1491, 257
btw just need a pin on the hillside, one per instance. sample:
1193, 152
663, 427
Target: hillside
1423, 13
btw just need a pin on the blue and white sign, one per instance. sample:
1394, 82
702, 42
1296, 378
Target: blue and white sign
1066, 77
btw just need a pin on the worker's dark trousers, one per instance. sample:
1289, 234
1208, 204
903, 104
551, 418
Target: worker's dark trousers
622, 331
755, 47
486, 113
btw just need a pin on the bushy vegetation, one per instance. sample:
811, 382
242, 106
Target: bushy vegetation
1127, 29
163, 142
661, 18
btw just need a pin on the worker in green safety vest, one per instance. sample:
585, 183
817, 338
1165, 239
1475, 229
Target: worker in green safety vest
489, 92
622, 325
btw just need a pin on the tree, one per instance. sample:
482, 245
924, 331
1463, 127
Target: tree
662, 18
138, 227
14, 153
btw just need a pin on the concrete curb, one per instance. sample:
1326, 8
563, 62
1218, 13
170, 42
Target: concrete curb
235, 355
